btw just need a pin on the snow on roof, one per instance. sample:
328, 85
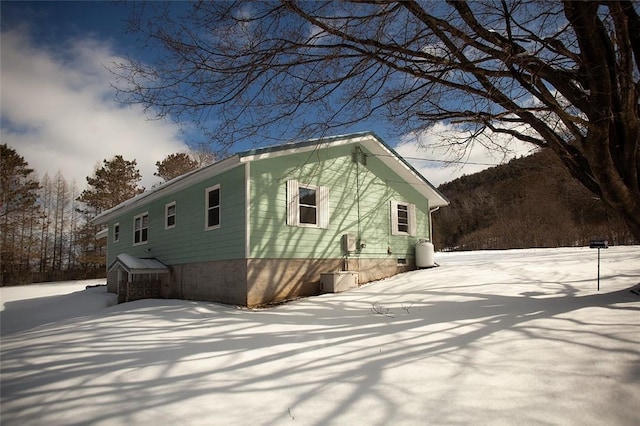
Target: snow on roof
135, 265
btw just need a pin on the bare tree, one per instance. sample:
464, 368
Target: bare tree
202, 155
563, 75
60, 220
45, 200
73, 227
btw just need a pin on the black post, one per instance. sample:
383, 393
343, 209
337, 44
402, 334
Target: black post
598, 268
599, 244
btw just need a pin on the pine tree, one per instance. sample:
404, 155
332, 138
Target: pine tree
175, 165
19, 213
116, 181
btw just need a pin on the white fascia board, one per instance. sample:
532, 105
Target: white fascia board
367, 140
374, 145
247, 211
402, 169
306, 146
168, 188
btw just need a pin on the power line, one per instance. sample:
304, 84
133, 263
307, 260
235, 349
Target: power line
473, 163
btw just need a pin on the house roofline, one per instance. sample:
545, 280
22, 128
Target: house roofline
301, 146
369, 140
170, 187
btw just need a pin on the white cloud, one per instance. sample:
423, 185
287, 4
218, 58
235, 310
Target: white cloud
453, 160
58, 111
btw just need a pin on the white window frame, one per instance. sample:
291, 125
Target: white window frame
402, 211
116, 232
142, 241
316, 207
207, 208
293, 205
411, 218
167, 215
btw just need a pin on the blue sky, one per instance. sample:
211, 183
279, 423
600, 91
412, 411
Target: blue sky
58, 108
57, 105
53, 20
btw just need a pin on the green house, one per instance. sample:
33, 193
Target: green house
272, 224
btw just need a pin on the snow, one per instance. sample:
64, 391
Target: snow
25, 307
496, 337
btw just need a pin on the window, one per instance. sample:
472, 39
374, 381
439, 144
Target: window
170, 215
116, 232
403, 218
141, 229
307, 205
212, 213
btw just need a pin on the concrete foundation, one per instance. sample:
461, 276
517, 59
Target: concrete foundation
221, 281
272, 280
252, 282
377, 269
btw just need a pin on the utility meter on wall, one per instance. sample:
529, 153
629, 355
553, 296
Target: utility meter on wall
349, 242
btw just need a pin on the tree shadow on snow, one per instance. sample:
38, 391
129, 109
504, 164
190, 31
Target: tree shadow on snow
151, 354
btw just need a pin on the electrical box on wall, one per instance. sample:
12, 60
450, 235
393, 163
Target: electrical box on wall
349, 242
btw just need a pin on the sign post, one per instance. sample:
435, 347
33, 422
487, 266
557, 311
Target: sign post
599, 244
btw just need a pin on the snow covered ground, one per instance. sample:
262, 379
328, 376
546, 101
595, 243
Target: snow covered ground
500, 337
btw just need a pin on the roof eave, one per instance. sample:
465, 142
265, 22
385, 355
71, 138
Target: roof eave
168, 188
373, 143
368, 139
405, 170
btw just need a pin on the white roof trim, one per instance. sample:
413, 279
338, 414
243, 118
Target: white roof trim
374, 145
367, 139
310, 145
167, 188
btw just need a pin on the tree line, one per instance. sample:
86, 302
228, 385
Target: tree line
46, 232
530, 202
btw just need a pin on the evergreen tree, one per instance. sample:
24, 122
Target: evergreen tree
175, 165
116, 181
19, 214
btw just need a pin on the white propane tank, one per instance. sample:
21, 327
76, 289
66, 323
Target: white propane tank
424, 254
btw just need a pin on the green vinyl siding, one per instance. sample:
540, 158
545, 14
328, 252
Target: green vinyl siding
189, 241
359, 203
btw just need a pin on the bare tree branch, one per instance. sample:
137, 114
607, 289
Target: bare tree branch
558, 74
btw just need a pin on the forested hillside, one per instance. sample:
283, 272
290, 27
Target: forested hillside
529, 202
